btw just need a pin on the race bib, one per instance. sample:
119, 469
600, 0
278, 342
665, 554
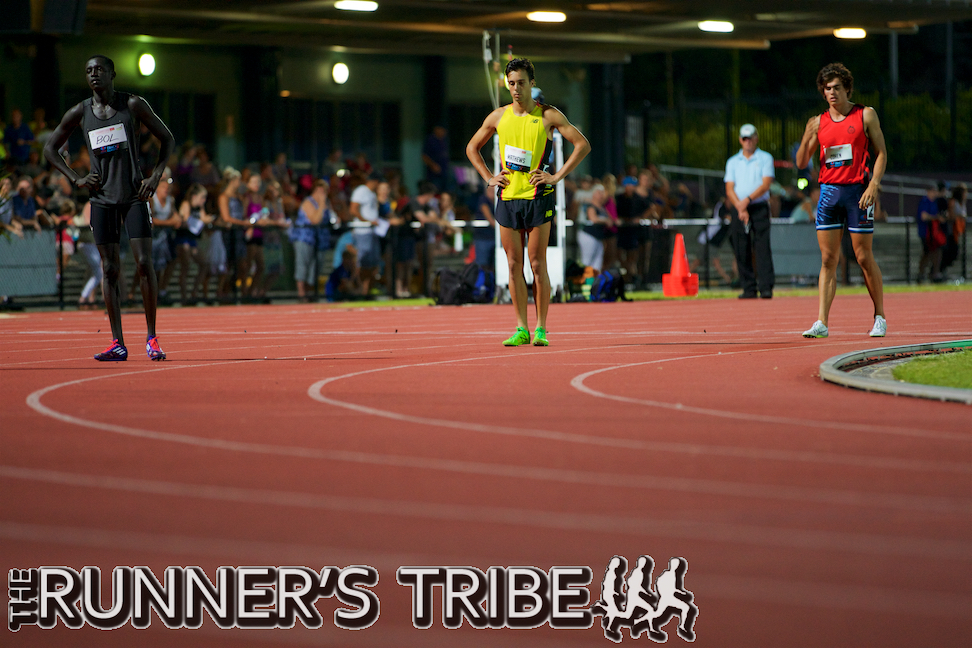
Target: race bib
108, 139
195, 225
517, 159
838, 156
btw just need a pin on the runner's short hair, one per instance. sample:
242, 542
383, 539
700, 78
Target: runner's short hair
104, 59
833, 71
520, 64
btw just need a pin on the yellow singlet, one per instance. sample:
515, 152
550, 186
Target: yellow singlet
523, 147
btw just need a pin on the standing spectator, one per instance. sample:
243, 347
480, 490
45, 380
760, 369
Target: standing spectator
164, 222
931, 233
18, 138
92, 257
192, 220
310, 236
611, 230
256, 214
629, 227
64, 241
232, 220
273, 250
593, 219
646, 210
364, 210
7, 222
402, 238
749, 174
435, 157
25, 208
484, 238
956, 216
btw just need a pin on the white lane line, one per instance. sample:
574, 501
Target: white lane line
840, 596
702, 530
578, 383
315, 392
34, 401
837, 497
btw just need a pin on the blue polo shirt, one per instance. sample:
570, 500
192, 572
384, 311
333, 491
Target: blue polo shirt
747, 174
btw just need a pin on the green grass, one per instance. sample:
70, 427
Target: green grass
944, 370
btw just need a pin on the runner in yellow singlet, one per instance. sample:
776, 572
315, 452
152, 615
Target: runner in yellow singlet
525, 186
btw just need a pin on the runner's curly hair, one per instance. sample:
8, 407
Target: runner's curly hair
835, 71
520, 64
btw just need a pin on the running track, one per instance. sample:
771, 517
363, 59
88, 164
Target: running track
810, 514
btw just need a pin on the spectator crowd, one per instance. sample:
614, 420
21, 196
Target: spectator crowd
224, 234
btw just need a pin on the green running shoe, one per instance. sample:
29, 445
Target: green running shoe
540, 337
521, 337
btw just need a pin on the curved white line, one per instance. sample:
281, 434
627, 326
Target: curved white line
315, 391
722, 488
578, 383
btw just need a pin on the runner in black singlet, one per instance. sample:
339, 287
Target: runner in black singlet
111, 122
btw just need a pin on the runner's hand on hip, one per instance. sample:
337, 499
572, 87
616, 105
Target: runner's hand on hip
539, 177
500, 179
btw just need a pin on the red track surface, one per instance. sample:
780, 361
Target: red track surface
810, 514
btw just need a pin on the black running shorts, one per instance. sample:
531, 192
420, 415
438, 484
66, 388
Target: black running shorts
526, 214
107, 221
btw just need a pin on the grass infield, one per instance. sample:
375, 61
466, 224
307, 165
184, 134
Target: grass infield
943, 370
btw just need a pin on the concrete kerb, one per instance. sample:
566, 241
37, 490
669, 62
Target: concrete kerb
855, 370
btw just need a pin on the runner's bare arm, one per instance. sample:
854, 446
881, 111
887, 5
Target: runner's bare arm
70, 121
570, 133
809, 143
872, 126
143, 111
478, 141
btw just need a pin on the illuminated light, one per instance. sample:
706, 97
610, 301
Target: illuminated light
850, 32
340, 73
356, 5
802, 183
146, 64
720, 26
285, 93
547, 16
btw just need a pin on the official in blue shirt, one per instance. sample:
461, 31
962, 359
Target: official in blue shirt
749, 174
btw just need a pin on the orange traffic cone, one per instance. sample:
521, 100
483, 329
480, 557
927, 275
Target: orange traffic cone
680, 282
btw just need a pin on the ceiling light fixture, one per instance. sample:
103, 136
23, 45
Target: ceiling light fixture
547, 16
356, 5
720, 26
340, 73
850, 32
146, 64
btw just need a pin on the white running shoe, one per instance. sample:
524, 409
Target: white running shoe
818, 330
880, 328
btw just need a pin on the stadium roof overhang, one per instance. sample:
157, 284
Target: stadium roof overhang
592, 31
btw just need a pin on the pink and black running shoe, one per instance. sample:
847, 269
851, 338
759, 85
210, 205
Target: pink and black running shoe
153, 349
114, 353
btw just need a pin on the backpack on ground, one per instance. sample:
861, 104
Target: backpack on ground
449, 289
608, 287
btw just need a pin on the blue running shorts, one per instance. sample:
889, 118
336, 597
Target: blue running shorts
841, 203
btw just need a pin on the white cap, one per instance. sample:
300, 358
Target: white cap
747, 130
